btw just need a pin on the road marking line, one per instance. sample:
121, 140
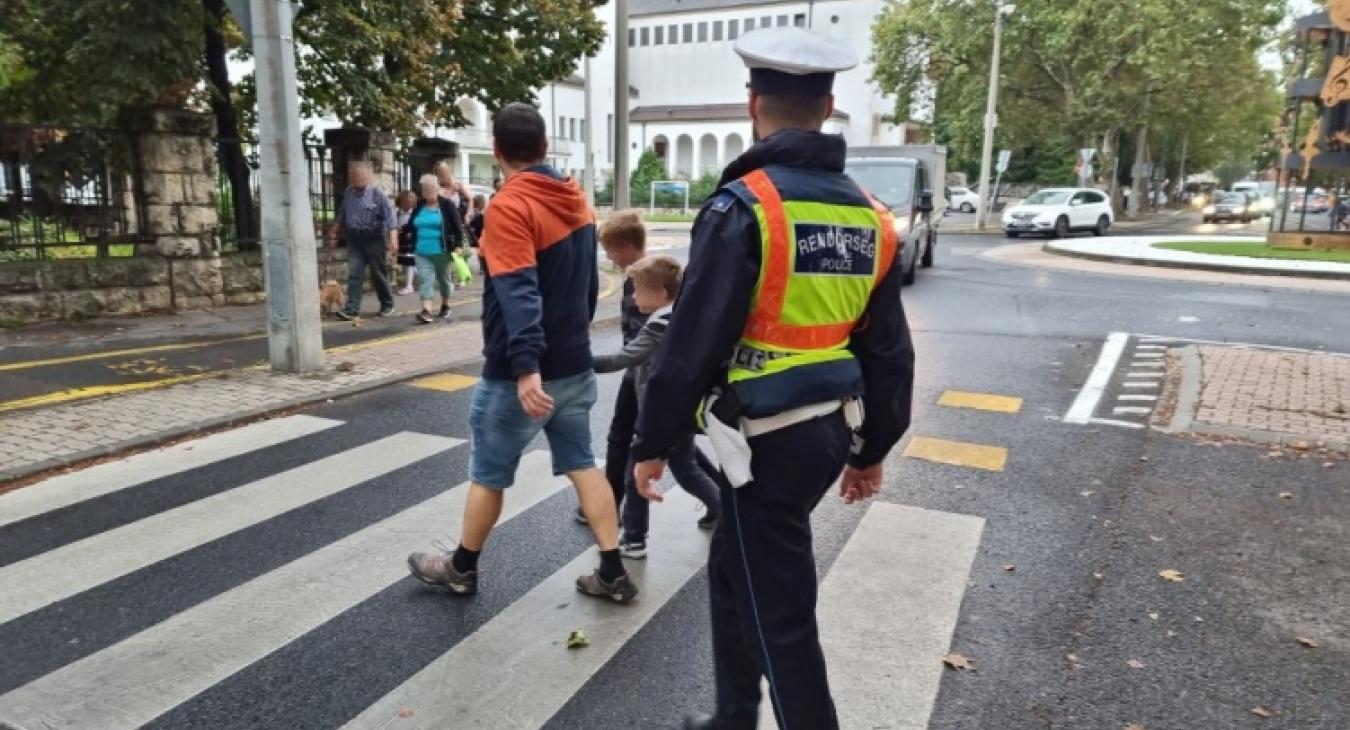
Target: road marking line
29, 364
76, 567
478, 683
1140, 385
1148, 364
980, 401
958, 453
1137, 398
1149, 355
356, 346
447, 382
1124, 410
68, 489
1150, 347
175, 660
1252, 345
1143, 375
1086, 403
1114, 422
888, 611
95, 391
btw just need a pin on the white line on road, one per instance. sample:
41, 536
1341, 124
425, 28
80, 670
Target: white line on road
888, 609
512, 672
1136, 398
1143, 375
1086, 403
1127, 410
1114, 422
1251, 345
1150, 355
96, 481
1140, 385
133, 682
1150, 347
1148, 364
70, 569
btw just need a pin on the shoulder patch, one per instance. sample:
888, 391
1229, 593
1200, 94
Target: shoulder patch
722, 202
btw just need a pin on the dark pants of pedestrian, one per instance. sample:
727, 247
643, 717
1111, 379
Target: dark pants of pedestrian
762, 579
368, 250
620, 438
688, 470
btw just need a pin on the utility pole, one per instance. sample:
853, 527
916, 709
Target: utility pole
990, 116
294, 335
588, 125
621, 104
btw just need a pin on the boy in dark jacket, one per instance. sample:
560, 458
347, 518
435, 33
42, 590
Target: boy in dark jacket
537, 309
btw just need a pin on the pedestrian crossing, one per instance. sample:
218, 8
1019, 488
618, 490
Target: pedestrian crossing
238, 654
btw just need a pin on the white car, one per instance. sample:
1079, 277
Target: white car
962, 199
1057, 211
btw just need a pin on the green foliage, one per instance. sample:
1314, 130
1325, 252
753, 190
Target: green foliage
703, 188
1255, 250
1074, 72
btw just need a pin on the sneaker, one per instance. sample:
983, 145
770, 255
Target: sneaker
621, 590
437, 569
580, 517
709, 522
345, 316
445, 313
424, 317
405, 291
633, 549
385, 312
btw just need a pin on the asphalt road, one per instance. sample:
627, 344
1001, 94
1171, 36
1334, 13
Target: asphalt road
1062, 613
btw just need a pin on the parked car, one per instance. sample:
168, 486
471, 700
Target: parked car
899, 177
1230, 206
1316, 202
963, 199
1058, 211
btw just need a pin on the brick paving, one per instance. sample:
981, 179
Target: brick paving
1300, 394
43, 438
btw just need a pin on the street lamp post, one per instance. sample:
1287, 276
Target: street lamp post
991, 116
620, 104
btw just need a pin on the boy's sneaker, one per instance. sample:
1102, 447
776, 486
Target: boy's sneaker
709, 522
345, 316
386, 312
436, 569
633, 549
621, 590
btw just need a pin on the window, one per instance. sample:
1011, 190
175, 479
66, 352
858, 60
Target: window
688, 33
632, 37
561, 131
799, 20
572, 129
749, 24
1096, 198
646, 36
702, 32
733, 29
717, 30
766, 22
658, 35
673, 33
609, 135
782, 20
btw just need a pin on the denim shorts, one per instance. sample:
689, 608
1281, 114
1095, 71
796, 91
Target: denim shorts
501, 428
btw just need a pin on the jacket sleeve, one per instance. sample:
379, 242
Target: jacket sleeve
637, 351
883, 347
454, 225
709, 317
509, 248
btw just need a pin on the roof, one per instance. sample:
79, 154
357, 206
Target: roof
579, 82
639, 8
699, 113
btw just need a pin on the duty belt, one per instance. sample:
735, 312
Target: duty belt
753, 358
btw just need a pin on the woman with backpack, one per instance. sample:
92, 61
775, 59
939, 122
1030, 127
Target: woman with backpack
436, 230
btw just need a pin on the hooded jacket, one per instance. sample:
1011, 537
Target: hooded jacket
540, 247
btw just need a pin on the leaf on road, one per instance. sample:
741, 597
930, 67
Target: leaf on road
1286, 495
345, 367
1310, 643
577, 640
1010, 567
1260, 711
1143, 458
1087, 492
1153, 616
1155, 538
405, 712
958, 661
1171, 575
1134, 664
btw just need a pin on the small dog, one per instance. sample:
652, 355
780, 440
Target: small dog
331, 295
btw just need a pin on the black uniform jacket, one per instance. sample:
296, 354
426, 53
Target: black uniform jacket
714, 304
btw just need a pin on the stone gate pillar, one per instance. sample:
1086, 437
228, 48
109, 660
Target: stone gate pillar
354, 143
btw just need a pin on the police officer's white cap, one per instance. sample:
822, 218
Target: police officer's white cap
788, 59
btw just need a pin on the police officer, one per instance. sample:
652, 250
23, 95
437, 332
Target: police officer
789, 347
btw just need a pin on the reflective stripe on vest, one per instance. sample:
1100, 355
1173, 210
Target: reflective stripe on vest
812, 314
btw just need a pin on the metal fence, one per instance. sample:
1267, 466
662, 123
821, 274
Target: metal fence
68, 192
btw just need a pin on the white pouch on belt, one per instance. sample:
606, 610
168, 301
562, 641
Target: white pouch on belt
730, 448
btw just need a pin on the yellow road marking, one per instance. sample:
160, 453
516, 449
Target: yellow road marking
980, 401
958, 453
411, 336
95, 391
120, 353
447, 382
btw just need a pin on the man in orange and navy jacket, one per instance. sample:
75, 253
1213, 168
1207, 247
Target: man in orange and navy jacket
540, 246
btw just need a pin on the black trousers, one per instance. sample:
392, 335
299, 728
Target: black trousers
367, 250
620, 439
762, 580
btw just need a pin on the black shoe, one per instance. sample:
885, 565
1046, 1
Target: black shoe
424, 317
445, 313
622, 590
385, 312
633, 549
709, 522
346, 316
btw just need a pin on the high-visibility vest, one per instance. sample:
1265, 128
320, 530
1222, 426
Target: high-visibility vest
820, 263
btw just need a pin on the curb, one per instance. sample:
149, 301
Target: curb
1188, 391
1195, 265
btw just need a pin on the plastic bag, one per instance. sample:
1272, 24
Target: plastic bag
463, 275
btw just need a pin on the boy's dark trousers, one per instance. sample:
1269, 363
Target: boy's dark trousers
620, 439
686, 465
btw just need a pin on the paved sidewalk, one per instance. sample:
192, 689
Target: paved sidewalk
36, 440
1140, 250
1293, 398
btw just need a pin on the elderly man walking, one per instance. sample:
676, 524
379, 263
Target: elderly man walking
367, 220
